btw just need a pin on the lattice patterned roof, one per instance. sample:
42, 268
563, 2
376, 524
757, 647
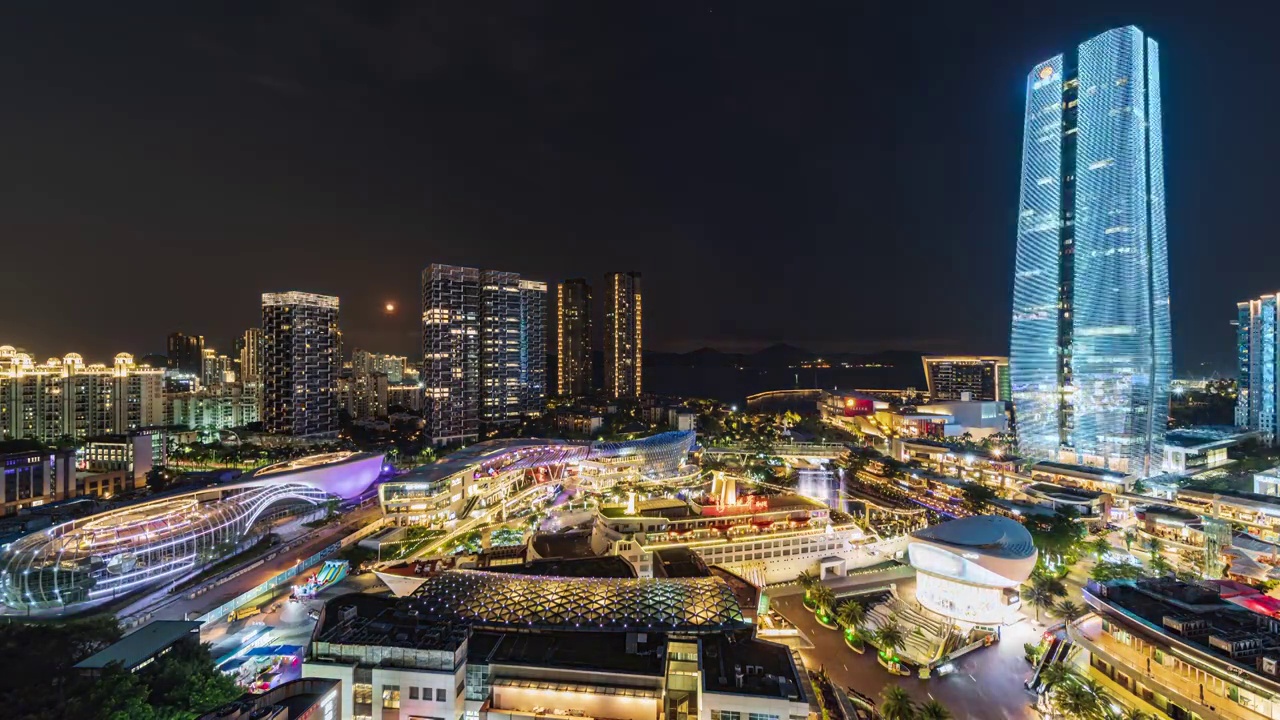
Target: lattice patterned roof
475, 597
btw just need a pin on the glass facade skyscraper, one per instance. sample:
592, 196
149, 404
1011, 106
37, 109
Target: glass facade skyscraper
1257, 404
1090, 354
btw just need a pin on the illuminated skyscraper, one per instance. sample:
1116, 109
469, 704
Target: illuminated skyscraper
300, 363
483, 350
1257, 406
1090, 355
573, 338
622, 335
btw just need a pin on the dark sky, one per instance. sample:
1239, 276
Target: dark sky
840, 176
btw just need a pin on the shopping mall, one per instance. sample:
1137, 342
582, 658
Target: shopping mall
516, 645
482, 475
970, 569
96, 558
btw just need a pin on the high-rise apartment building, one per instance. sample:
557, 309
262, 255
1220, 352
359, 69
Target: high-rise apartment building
364, 362
300, 363
622, 334
217, 369
249, 353
483, 348
1090, 356
186, 353
67, 398
573, 338
1256, 365
959, 377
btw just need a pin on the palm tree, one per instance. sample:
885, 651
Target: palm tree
807, 581
824, 598
1073, 700
1043, 592
1154, 546
933, 710
896, 704
1130, 537
1056, 674
890, 638
1133, 713
1068, 611
1099, 546
850, 615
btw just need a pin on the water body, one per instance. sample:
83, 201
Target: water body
731, 385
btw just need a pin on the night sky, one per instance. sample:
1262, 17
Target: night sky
833, 176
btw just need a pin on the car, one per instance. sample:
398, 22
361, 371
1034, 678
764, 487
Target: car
313, 614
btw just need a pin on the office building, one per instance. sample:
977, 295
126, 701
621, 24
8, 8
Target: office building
967, 377
573, 338
483, 349
300, 363
186, 353
623, 344
67, 398
249, 354
1090, 357
33, 475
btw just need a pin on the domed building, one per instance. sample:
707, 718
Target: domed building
970, 569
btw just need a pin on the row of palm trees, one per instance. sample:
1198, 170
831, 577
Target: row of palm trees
850, 616
896, 704
1073, 695
1045, 592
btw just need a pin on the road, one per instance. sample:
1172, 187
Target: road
986, 685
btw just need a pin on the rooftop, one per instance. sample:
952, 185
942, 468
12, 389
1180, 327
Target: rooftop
359, 619
595, 651
135, 648
1086, 470
1066, 493
491, 599
994, 534
765, 668
605, 566
678, 562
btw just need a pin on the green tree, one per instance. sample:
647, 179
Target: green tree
1107, 571
1130, 537
1139, 488
896, 704
186, 683
933, 710
1068, 610
850, 615
1099, 546
1073, 700
1043, 592
1133, 713
808, 581
890, 638
824, 599
1056, 674
116, 694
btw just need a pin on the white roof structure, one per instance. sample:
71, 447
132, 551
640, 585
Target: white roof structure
990, 535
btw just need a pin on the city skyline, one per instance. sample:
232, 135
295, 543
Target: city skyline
805, 187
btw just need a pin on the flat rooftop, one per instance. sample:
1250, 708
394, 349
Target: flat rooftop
1152, 600
722, 658
385, 622
678, 562
1088, 471
134, 648
1067, 493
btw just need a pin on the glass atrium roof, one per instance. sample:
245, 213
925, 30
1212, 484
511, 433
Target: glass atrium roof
473, 597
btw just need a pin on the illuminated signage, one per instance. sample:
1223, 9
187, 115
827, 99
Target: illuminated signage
1046, 72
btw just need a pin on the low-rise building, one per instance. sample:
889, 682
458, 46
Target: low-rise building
1177, 649
34, 475
468, 644
143, 646
1192, 450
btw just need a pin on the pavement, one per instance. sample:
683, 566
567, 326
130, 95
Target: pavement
987, 683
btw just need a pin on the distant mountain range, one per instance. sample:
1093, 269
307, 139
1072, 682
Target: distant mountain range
780, 356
